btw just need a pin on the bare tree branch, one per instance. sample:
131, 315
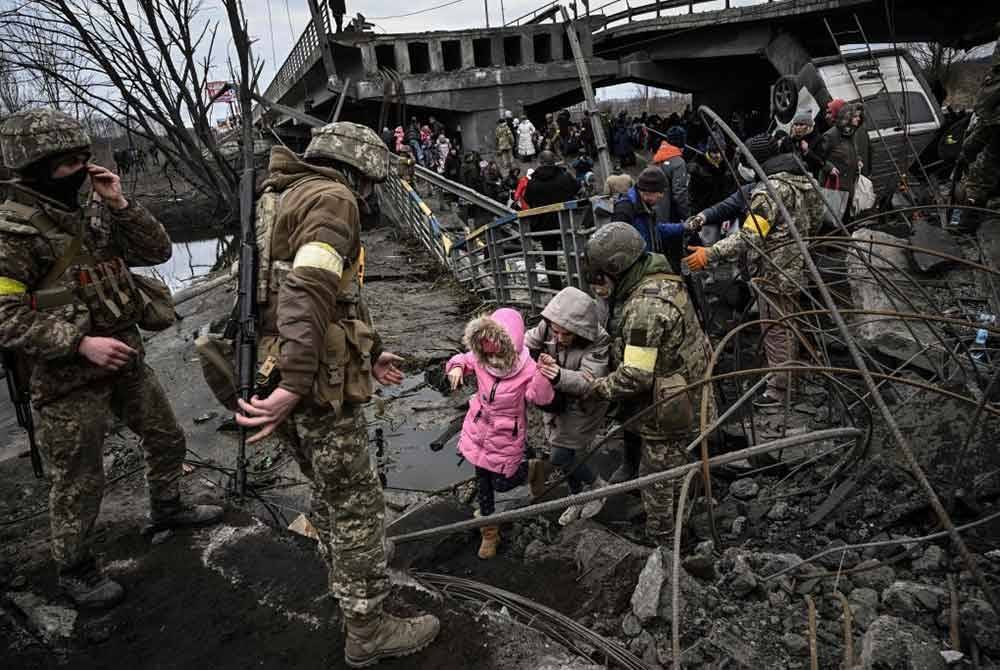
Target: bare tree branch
138, 65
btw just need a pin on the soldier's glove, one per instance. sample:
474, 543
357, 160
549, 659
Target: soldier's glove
698, 260
695, 223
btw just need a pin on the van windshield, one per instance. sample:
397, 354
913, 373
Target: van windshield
886, 110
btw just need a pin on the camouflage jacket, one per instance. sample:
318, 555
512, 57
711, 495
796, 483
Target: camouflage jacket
505, 139
35, 232
987, 105
657, 336
767, 239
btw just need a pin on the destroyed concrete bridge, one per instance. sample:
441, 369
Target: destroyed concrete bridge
724, 55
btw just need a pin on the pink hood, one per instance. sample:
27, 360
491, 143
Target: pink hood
493, 434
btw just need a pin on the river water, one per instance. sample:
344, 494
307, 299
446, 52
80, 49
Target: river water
193, 259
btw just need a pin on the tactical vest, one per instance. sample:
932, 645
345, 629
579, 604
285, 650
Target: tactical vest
99, 296
675, 411
345, 374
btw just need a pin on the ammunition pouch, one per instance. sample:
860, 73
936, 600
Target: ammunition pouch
157, 303
218, 365
345, 374
675, 415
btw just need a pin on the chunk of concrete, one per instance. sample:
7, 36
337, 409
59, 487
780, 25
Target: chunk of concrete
869, 269
653, 594
932, 238
982, 624
896, 643
52, 622
911, 599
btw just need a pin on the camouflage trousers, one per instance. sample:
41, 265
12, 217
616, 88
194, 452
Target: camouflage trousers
659, 454
348, 511
71, 435
982, 178
781, 346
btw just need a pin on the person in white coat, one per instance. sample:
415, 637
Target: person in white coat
525, 140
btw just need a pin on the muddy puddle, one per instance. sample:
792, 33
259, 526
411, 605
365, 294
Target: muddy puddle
408, 418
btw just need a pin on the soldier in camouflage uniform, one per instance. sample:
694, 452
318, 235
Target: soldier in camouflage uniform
69, 308
776, 265
658, 348
981, 148
318, 334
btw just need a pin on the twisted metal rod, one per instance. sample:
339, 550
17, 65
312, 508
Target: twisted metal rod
901, 441
624, 487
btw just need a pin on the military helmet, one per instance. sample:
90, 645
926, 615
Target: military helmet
613, 248
352, 144
32, 135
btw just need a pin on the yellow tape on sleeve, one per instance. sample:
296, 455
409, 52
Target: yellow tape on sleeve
319, 255
643, 358
757, 225
10, 286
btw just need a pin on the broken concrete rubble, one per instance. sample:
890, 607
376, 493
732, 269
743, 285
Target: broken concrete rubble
868, 266
53, 623
910, 600
653, 593
897, 643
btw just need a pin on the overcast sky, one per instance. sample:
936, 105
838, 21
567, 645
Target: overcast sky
277, 24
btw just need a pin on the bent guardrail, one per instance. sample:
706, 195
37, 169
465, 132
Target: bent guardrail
520, 258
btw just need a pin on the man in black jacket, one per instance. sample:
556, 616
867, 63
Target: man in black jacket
550, 184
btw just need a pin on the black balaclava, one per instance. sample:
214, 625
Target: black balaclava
65, 190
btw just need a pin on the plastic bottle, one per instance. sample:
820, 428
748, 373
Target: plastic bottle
979, 348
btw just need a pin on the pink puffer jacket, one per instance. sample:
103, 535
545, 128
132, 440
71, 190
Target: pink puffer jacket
494, 430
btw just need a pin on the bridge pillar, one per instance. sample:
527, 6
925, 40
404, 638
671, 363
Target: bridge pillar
527, 48
556, 36
368, 61
437, 60
402, 57
468, 54
496, 51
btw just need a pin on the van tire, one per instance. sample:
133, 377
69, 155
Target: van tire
785, 98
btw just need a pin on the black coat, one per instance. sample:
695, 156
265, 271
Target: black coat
550, 184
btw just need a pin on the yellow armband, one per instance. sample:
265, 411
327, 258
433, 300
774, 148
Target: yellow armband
642, 358
319, 255
10, 286
757, 225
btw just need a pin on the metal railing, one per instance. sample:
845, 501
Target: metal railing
520, 258
657, 8
303, 56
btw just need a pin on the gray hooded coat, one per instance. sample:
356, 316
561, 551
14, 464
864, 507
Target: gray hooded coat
577, 312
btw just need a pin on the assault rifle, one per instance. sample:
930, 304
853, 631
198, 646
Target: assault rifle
17, 388
246, 307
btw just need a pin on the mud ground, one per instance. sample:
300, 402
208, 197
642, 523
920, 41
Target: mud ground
249, 594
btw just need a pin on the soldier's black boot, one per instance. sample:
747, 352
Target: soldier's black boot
87, 586
168, 514
377, 636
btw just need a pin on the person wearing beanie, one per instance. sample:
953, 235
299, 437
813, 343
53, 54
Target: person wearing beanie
709, 178
776, 265
638, 207
832, 110
803, 140
674, 206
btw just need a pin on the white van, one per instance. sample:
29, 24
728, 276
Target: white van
901, 117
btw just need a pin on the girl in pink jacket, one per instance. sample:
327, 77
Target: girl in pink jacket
493, 434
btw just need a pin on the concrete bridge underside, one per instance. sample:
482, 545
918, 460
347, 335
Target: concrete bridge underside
726, 58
